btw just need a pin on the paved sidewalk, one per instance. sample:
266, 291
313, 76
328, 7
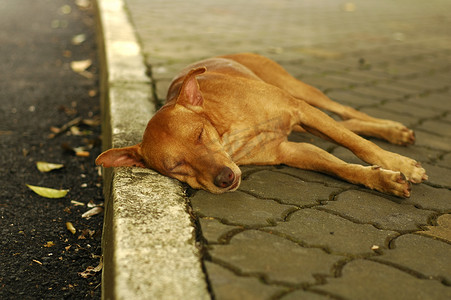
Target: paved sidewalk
292, 234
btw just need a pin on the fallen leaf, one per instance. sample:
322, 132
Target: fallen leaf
91, 204
91, 122
83, 3
92, 212
47, 167
78, 39
75, 130
81, 153
49, 244
86, 233
92, 93
65, 9
37, 261
78, 151
77, 203
63, 128
71, 227
48, 192
80, 65
91, 271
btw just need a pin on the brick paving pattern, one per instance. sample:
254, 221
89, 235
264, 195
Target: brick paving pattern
294, 234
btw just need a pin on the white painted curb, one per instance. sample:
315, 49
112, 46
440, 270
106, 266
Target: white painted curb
148, 239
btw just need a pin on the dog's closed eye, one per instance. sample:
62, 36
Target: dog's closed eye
199, 136
176, 167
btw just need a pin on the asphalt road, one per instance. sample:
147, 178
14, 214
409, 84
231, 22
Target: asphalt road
40, 90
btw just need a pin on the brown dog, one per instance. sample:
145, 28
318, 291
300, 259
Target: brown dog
239, 109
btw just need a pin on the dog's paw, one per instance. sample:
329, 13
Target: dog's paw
398, 134
391, 182
410, 168
418, 173
406, 187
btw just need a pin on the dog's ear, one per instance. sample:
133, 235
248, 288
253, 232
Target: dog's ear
189, 92
121, 157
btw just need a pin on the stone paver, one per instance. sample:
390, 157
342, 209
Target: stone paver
336, 234
362, 279
225, 283
379, 211
295, 234
421, 254
296, 191
276, 259
213, 231
239, 208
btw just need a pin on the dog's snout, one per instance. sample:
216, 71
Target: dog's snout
225, 178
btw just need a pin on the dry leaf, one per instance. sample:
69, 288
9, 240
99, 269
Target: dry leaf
48, 192
92, 212
92, 93
91, 271
86, 233
91, 122
78, 39
78, 151
81, 153
83, 3
71, 227
75, 130
37, 261
63, 128
92, 204
49, 244
80, 65
77, 203
65, 9
47, 167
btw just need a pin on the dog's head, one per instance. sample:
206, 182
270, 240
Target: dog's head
180, 142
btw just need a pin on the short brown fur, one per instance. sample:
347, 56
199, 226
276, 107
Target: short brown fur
239, 109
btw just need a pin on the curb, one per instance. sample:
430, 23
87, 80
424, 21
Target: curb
148, 239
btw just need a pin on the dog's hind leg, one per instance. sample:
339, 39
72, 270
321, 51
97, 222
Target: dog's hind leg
310, 157
356, 121
318, 123
395, 134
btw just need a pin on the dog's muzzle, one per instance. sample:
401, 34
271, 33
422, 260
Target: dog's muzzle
225, 178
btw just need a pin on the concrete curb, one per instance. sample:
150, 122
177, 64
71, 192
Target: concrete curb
148, 238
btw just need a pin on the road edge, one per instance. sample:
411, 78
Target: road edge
148, 239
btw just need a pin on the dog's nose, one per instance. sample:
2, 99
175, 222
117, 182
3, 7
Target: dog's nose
225, 178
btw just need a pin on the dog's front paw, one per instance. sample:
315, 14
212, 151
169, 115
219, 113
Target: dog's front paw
413, 170
409, 167
406, 186
418, 174
389, 182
